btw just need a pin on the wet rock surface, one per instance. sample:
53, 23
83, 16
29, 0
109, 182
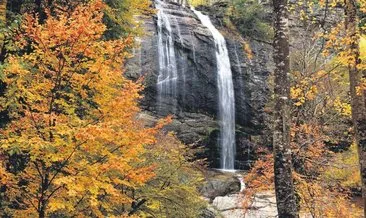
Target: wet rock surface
223, 192
219, 184
196, 108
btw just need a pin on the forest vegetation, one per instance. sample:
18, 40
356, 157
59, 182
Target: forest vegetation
73, 143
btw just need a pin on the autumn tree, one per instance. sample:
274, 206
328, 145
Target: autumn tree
173, 191
317, 176
2, 21
73, 123
285, 193
320, 116
3, 174
121, 17
345, 39
358, 93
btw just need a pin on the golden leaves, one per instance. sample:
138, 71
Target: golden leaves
306, 87
362, 5
342, 107
247, 50
319, 201
315, 195
345, 169
74, 115
4, 176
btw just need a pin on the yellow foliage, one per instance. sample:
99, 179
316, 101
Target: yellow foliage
2, 22
173, 192
363, 47
362, 5
345, 169
123, 13
248, 51
362, 66
4, 175
342, 108
195, 3
318, 196
317, 89
306, 87
74, 115
318, 201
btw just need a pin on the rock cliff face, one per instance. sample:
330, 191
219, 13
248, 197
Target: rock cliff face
195, 107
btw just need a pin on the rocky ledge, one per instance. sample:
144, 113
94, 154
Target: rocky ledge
223, 193
196, 107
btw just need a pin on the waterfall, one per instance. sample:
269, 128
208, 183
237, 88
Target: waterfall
193, 48
168, 73
179, 32
181, 62
238, 60
226, 95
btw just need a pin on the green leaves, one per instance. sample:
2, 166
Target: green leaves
251, 19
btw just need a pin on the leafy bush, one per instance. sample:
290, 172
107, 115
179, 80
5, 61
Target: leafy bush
195, 3
345, 169
250, 18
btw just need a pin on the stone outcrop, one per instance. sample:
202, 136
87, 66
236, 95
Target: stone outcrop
223, 192
196, 106
219, 184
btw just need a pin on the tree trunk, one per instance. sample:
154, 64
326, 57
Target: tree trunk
2, 22
358, 99
285, 193
43, 201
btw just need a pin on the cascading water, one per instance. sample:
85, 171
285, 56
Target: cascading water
168, 73
193, 48
182, 64
226, 95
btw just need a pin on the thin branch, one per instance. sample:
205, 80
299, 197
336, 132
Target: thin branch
66, 161
53, 192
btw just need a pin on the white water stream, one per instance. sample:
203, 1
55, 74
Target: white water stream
168, 79
168, 73
226, 95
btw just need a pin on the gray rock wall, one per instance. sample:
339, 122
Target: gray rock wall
196, 109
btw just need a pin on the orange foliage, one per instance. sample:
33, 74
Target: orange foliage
259, 179
311, 159
73, 117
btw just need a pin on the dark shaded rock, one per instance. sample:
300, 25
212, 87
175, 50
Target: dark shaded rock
250, 84
207, 213
341, 146
245, 155
196, 106
211, 148
220, 184
217, 12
